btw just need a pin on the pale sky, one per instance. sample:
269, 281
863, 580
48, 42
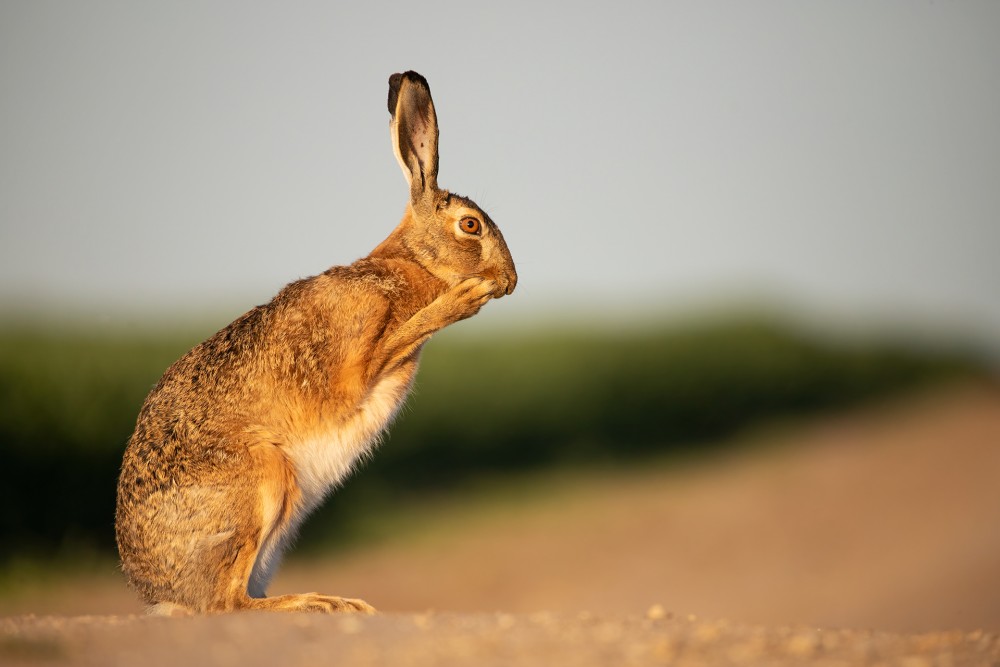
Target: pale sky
176, 157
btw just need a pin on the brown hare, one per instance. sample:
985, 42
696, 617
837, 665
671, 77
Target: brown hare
246, 433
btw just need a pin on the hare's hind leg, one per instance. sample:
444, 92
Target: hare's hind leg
232, 593
314, 602
210, 543
257, 559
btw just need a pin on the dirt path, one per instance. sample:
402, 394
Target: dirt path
483, 640
886, 519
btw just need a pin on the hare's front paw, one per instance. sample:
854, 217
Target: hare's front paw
468, 296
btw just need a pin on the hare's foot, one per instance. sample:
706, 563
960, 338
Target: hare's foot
314, 602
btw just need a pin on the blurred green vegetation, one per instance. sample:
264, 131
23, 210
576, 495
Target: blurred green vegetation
482, 407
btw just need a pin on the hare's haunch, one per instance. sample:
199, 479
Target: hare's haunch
245, 434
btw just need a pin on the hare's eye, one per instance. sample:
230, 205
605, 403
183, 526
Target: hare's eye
470, 225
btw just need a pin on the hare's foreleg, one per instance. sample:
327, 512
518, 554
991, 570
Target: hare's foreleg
460, 302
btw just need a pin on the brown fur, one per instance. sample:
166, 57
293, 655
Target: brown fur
245, 434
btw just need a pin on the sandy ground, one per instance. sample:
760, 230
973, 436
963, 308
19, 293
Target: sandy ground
469, 639
871, 537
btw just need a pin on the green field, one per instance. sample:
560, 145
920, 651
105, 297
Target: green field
482, 408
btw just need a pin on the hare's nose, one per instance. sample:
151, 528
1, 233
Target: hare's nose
511, 281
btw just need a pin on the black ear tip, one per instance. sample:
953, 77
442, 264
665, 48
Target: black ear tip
396, 81
416, 78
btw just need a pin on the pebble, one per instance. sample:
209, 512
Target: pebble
656, 612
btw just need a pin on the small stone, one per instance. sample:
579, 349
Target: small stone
656, 612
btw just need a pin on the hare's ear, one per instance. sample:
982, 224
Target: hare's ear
414, 132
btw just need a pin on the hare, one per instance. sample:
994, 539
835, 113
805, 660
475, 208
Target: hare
249, 431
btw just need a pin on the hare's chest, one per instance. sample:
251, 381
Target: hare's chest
326, 458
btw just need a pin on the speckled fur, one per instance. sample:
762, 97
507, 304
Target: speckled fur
246, 433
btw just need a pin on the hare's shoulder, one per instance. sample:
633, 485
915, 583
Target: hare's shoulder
311, 312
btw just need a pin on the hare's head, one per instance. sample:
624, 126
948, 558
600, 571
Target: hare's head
449, 235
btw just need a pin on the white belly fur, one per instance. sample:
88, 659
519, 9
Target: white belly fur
324, 460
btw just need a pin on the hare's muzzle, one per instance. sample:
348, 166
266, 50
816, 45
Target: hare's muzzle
506, 283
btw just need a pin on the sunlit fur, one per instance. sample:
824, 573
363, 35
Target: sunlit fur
248, 432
